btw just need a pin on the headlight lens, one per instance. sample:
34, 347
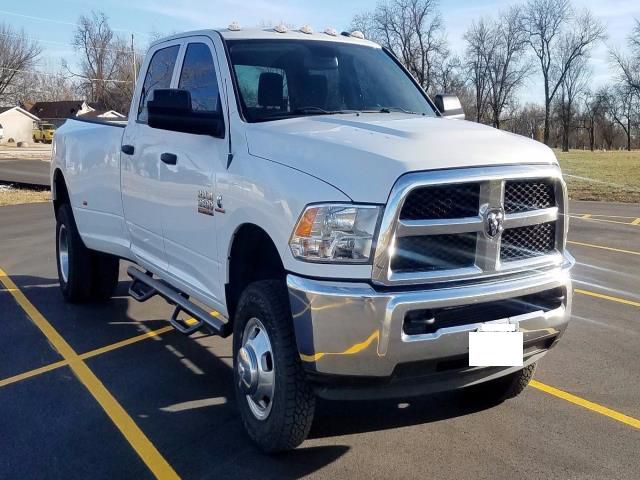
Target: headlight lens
335, 233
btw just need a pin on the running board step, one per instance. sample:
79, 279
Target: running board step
144, 286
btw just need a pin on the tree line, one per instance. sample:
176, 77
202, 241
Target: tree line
105, 73
548, 40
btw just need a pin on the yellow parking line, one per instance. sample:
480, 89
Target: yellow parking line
32, 373
594, 407
118, 415
84, 356
589, 215
607, 297
582, 217
619, 250
636, 222
124, 343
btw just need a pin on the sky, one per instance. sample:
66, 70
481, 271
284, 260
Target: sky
144, 17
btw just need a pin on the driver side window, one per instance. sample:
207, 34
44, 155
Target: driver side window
198, 77
158, 75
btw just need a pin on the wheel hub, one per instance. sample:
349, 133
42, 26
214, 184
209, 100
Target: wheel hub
255, 369
63, 252
247, 370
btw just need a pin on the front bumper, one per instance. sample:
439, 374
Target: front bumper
351, 329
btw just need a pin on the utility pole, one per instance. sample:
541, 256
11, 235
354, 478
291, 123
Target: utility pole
133, 60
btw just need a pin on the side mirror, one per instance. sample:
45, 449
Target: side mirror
449, 106
170, 109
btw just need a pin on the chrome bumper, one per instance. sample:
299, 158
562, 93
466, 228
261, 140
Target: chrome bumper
351, 329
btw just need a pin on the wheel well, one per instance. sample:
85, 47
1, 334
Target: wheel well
59, 192
253, 257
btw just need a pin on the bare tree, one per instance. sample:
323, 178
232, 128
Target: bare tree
593, 108
480, 47
413, 30
496, 63
552, 25
527, 121
107, 62
18, 54
508, 68
573, 85
623, 107
44, 87
629, 65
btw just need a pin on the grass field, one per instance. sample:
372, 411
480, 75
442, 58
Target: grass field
605, 176
13, 196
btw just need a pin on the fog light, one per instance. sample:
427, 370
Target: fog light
419, 322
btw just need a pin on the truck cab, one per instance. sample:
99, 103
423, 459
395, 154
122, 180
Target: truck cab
350, 232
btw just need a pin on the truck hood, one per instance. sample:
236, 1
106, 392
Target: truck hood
363, 155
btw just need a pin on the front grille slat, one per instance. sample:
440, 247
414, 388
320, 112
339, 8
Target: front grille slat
434, 252
528, 242
441, 202
527, 195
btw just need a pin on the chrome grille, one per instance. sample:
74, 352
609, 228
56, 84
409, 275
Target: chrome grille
437, 225
434, 252
526, 195
528, 242
445, 201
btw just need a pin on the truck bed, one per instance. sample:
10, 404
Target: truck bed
87, 153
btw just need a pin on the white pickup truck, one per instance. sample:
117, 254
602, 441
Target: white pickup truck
301, 191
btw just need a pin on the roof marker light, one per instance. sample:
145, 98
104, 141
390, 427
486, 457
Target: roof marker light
234, 26
331, 31
306, 29
357, 34
281, 28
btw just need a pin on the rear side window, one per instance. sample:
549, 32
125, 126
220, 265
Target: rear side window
158, 76
198, 76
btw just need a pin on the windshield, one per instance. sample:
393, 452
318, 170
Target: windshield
47, 127
289, 78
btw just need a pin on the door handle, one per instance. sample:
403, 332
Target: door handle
169, 158
128, 149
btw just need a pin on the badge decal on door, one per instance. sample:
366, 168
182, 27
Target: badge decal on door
206, 202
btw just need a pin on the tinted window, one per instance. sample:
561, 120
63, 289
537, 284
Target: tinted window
199, 78
158, 76
285, 78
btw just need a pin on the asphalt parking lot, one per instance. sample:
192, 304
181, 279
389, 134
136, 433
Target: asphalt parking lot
111, 391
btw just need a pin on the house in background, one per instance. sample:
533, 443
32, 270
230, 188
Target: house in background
111, 115
17, 124
58, 112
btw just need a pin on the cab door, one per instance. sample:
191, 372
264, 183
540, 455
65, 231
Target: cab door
188, 206
142, 147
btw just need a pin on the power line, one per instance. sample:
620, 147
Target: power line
34, 72
108, 49
60, 22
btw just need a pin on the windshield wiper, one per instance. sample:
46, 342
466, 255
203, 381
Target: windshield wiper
397, 109
320, 111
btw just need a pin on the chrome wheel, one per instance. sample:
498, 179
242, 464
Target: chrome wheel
255, 368
63, 252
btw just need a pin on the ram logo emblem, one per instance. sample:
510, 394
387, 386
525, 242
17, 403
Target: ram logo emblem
494, 222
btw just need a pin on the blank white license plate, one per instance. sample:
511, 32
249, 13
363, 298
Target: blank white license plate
495, 349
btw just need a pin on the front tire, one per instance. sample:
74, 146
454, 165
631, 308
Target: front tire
275, 400
503, 388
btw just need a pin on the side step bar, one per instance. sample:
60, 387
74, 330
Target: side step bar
144, 287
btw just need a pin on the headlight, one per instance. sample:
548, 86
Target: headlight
335, 233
